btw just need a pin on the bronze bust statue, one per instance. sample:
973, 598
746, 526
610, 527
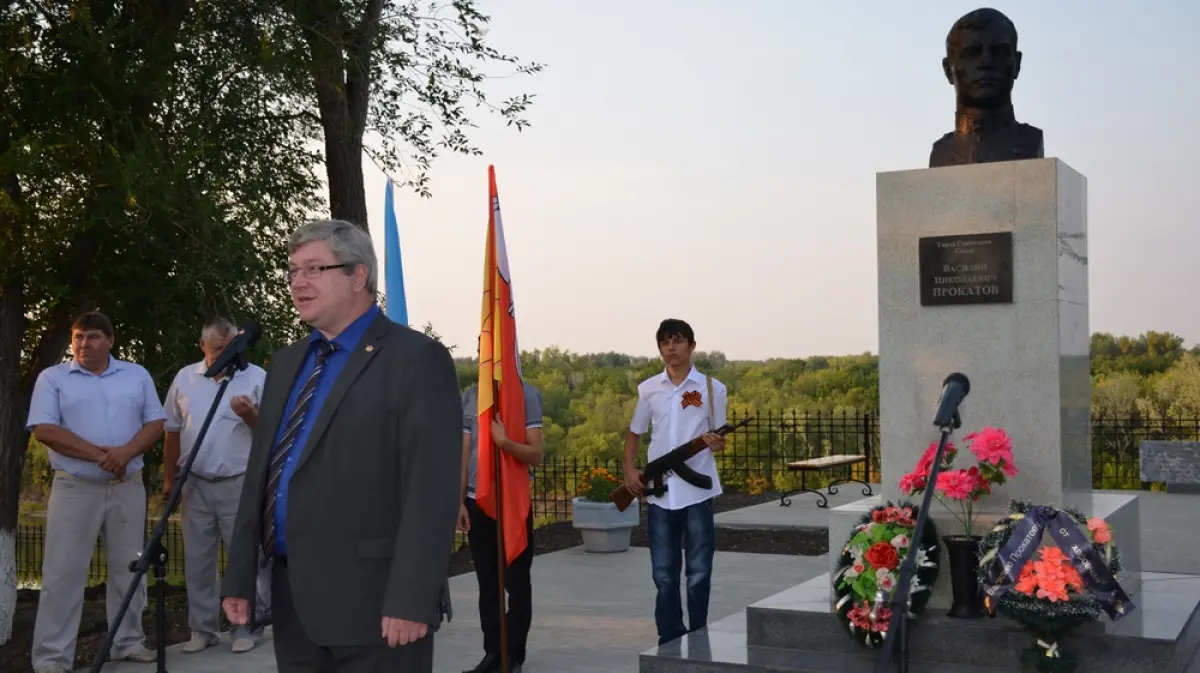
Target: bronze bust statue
982, 62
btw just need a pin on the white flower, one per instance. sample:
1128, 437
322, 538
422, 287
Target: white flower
856, 568
884, 579
900, 541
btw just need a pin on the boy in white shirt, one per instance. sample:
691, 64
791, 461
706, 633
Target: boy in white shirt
680, 404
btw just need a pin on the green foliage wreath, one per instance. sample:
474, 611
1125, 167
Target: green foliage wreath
870, 562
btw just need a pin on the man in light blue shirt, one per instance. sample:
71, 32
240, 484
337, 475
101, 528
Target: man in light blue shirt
96, 415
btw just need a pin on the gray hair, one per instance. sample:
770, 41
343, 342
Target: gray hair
217, 325
351, 246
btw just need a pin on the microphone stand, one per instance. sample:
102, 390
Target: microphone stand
155, 554
898, 625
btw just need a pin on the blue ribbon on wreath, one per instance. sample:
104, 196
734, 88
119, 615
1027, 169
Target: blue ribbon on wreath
1006, 566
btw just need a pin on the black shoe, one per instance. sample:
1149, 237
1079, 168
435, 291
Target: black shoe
489, 664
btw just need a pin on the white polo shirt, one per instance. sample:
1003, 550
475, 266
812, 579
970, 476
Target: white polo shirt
673, 413
226, 447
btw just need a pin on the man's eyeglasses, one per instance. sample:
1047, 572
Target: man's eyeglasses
312, 271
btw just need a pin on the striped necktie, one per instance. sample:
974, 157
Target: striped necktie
280, 455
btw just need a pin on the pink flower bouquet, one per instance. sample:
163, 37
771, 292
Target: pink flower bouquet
992, 449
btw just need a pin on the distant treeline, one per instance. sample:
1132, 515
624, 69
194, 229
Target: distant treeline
589, 397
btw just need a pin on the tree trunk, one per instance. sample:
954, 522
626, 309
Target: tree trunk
342, 78
13, 442
344, 171
13, 402
8, 583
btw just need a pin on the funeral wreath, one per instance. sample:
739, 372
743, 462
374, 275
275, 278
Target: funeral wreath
1054, 585
869, 570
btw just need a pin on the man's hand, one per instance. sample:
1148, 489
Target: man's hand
715, 442
401, 631
633, 480
499, 438
116, 458
169, 478
237, 610
464, 519
242, 405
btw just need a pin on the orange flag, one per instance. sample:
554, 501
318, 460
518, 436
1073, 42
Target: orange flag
501, 390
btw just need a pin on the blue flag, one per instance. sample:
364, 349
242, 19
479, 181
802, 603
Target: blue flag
393, 270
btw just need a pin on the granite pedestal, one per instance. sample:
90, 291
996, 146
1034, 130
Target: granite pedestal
1027, 359
793, 631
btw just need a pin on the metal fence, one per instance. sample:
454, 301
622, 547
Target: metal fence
31, 541
754, 461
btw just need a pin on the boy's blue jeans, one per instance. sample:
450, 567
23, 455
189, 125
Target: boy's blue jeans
682, 539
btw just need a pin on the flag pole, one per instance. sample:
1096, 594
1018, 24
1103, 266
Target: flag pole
501, 557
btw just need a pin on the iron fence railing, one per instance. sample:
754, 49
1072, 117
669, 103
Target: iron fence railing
754, 461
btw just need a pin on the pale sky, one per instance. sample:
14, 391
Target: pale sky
715, 161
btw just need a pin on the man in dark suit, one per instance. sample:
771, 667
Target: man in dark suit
350, 492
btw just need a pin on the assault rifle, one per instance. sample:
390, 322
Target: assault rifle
674, 461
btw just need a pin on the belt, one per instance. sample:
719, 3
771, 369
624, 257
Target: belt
213, 480
114, 480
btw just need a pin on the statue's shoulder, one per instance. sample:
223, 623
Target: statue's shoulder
1029, 131
1030, 143
943, 151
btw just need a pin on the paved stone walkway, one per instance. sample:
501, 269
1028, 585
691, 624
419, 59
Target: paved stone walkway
593, 613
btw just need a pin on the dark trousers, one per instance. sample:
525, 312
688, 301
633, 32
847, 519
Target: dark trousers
295, 652
681, 539
482, 541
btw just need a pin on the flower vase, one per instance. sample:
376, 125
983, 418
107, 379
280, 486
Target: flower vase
963, 551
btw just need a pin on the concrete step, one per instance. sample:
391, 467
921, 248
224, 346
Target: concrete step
1162, 635
726, 651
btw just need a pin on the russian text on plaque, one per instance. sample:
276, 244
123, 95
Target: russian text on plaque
966, 269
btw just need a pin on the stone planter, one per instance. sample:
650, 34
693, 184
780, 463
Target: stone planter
604, 529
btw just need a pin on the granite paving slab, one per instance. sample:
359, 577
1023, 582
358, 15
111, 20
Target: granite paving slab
592, 613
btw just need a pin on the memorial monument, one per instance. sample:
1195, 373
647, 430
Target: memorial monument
983, 270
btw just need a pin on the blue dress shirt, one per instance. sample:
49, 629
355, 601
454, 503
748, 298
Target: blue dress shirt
344, 345
106, 409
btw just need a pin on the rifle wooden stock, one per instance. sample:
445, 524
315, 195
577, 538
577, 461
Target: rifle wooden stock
623, 497
673, 461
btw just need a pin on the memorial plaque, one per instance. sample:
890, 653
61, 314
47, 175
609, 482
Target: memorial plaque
966, 269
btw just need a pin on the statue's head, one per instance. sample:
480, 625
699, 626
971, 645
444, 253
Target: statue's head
982, 60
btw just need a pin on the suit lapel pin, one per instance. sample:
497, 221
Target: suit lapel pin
369, 348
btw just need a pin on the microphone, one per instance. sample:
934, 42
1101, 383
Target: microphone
234, 353
954, 389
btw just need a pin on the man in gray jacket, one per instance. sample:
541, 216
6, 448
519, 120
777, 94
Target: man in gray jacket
350, 489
